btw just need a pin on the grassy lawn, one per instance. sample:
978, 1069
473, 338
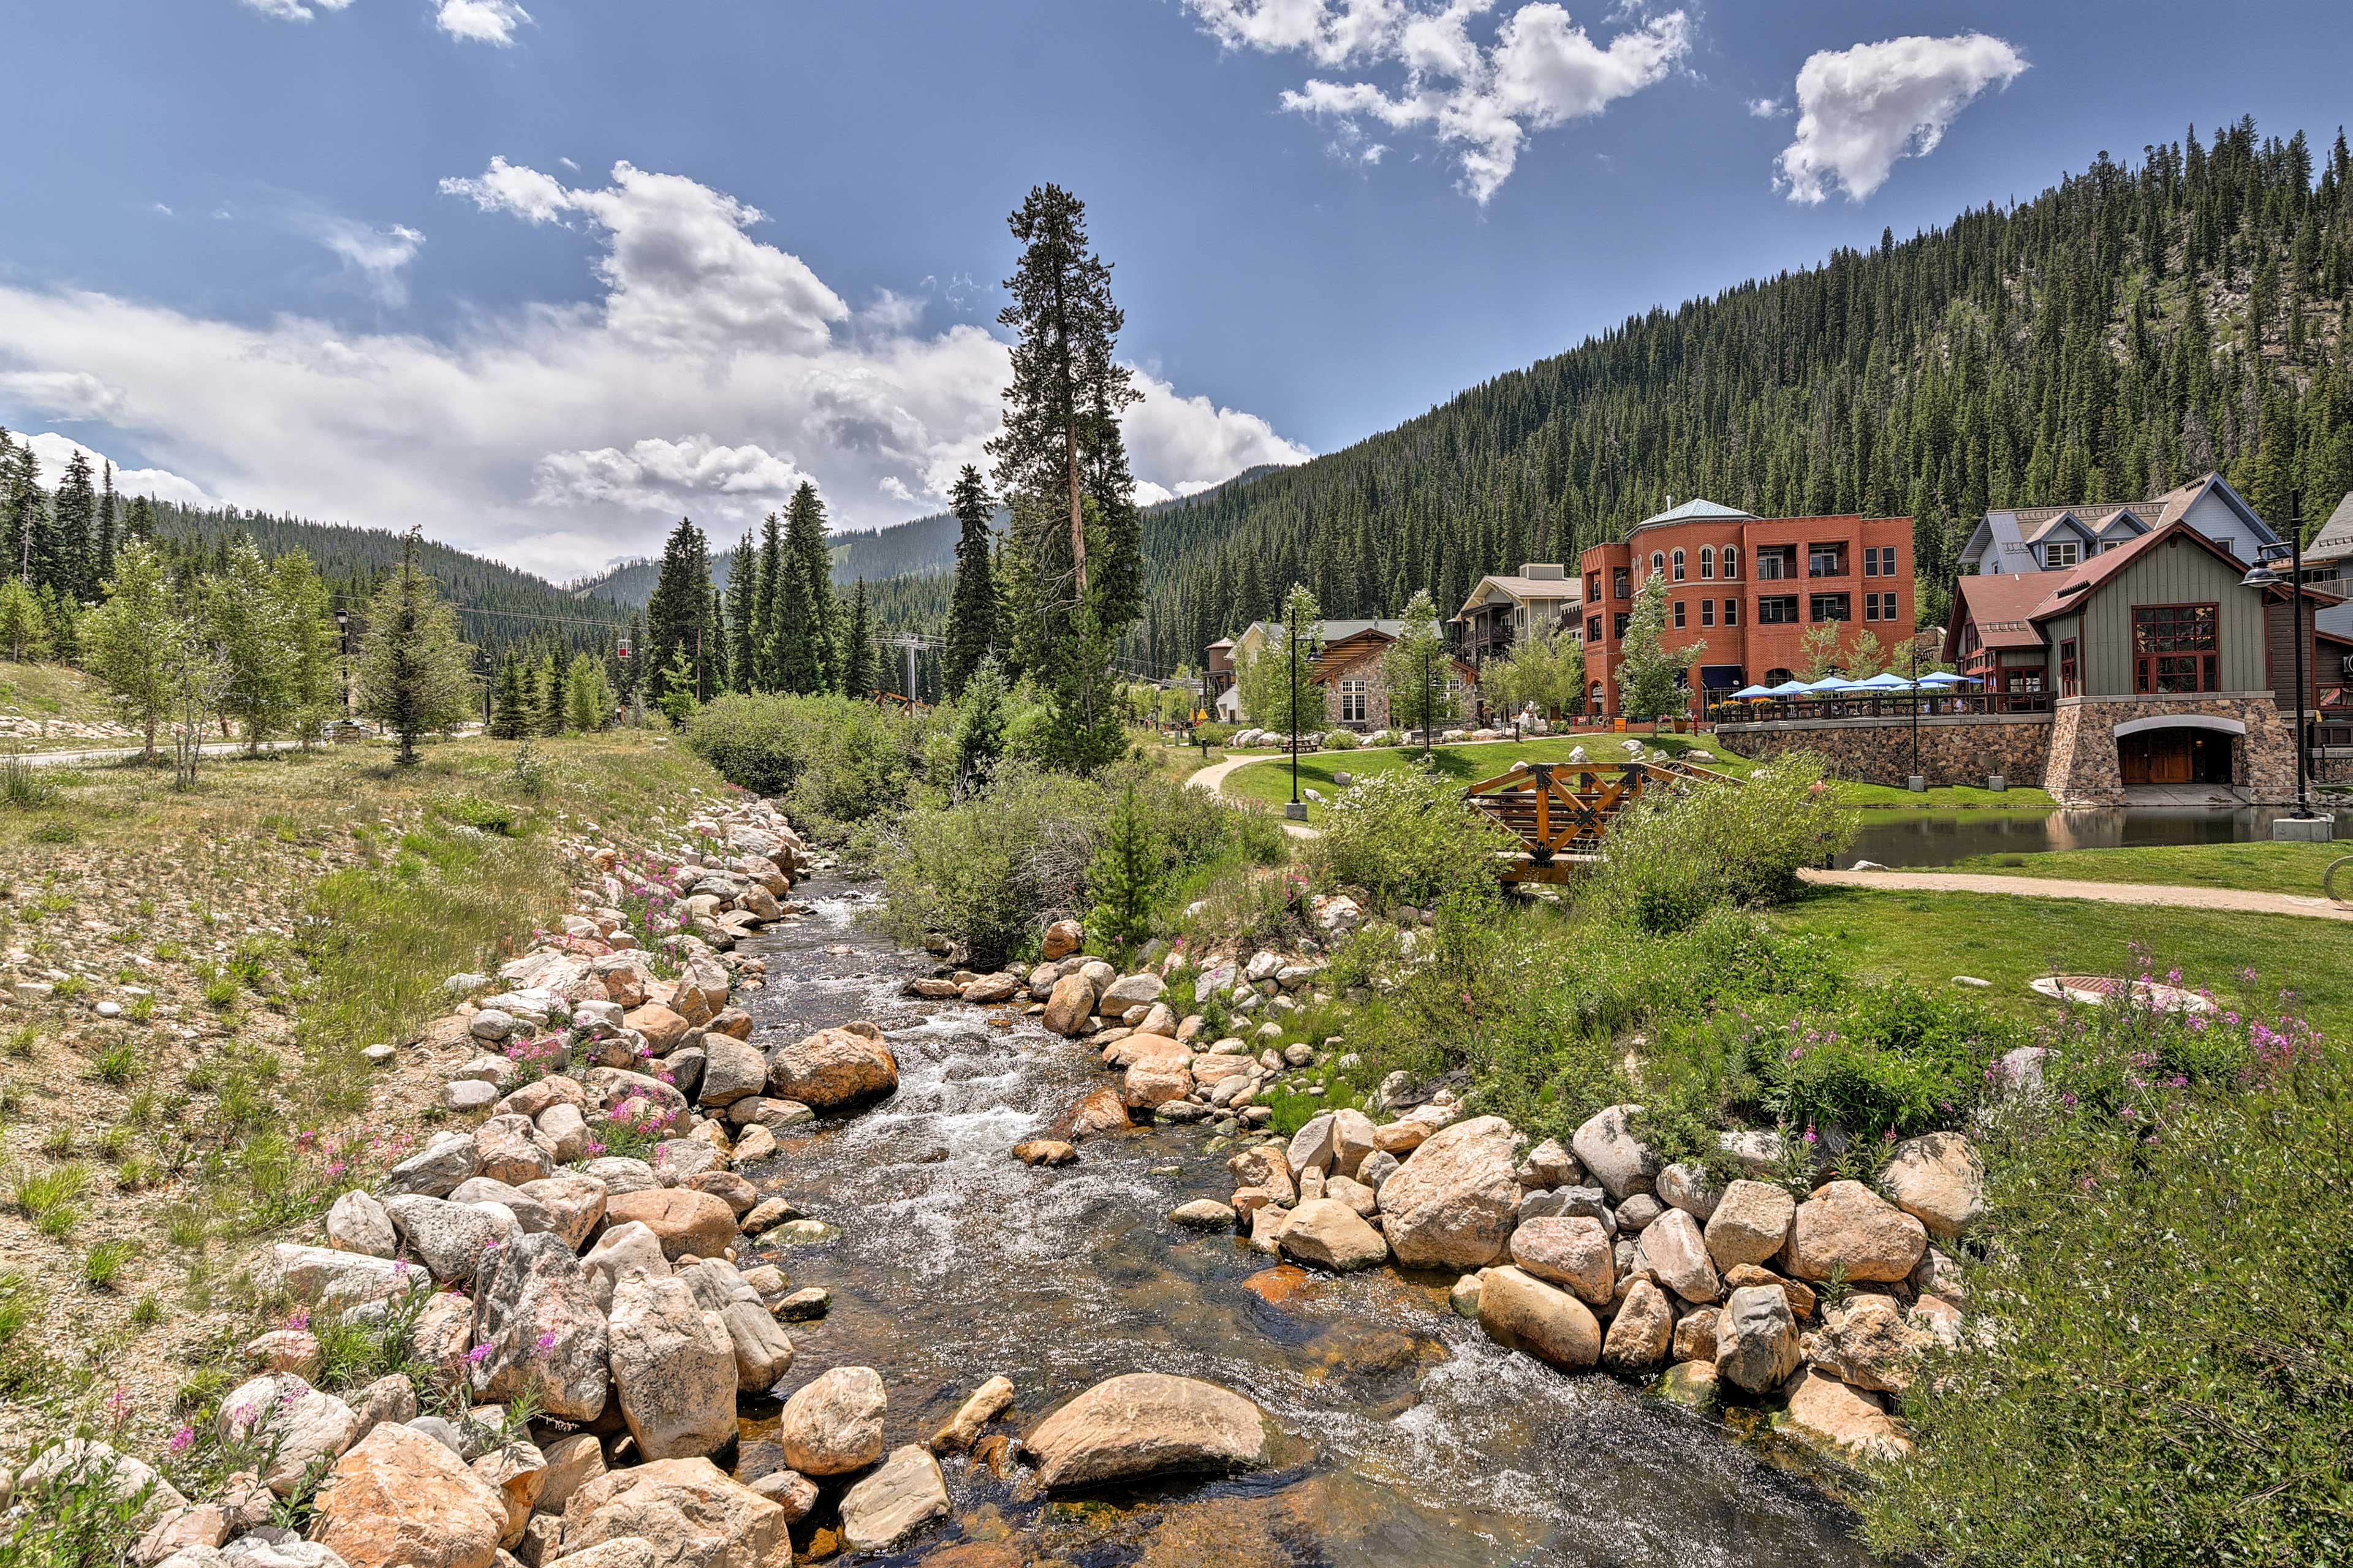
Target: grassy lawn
2259, 868
50, 694
1271, 781
2009, 941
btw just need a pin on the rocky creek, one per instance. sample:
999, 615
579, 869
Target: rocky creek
1413, 1439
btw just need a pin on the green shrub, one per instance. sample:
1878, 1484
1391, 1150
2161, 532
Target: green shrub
834, 763
1341, 741
23, 787
474, 811
1678, 853
55, 830
987, 868
1124, 876
1406, 837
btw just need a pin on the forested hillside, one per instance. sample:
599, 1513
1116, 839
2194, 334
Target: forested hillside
919, 547
2129, 328
496, 604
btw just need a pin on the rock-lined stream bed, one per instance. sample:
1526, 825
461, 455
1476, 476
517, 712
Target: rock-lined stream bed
1407, 1436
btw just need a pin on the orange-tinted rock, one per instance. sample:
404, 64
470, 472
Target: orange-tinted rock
684, 1219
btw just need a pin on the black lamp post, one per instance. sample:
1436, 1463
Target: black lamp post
1916, 705
2264, 575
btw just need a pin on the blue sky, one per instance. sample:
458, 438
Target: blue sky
260, 250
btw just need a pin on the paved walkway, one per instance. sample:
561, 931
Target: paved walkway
1213, 779
2234, 898
163, 752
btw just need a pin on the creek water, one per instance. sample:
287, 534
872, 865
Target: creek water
1926, 838
1411, 1439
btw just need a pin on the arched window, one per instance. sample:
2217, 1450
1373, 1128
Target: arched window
1731, 562
1779, 678
1706, 561
1679, 565
1658, 563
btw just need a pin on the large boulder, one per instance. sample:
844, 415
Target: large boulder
1867, 1342
1068, 1006
1153, 1082
293, 1423
1844, 1423
537, 1328
514, 1150
1673, 1248
763, 1351
1518, 1310
1131, 991
833, 1067
1755, 1339
906, 1493
574, 1203
1354, 1140
732, 1070
449, 1240
1605, 1145
833, 1424
437, 1168
687, 1512
684, 1219
1750, 1224
625, 1247
1847, 1230
1328, 1232
1938, 1180
1643, 1331
338, 1280
673, 1368
1454, 1201
401, 1499
1147, 1423
359, 1223
83, 1460
1263, 1166
1570, 1251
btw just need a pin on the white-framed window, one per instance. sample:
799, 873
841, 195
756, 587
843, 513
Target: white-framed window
2061, 553
1658, 563
1706, 562
1353, 698
1731, 562
1679, 565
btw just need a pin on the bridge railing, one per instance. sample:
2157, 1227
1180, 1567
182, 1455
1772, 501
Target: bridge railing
1560, 809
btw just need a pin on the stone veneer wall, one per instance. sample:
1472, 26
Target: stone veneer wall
1954, 749
2083, 765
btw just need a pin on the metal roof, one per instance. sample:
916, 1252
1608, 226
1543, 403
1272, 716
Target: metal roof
1699, 510
2335, 540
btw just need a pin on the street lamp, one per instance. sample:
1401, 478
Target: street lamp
2264, 574
1295, 809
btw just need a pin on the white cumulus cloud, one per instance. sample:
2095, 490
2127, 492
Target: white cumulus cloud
1479, 93
1859, 109
294, 10
707, 373
54, 451
479, 21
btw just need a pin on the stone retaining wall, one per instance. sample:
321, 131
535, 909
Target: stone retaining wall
1955, 748
2083, 764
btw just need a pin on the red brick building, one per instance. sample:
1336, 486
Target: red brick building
1751, 588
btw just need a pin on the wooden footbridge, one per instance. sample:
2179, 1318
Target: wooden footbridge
1563, 812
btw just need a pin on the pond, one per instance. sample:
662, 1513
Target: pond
1940, 838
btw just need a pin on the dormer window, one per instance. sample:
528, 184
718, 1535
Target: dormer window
2061, 553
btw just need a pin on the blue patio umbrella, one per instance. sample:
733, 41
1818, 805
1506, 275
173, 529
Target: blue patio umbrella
1886, 681
1947, 677
1749, 694
1827, 683
1791, 688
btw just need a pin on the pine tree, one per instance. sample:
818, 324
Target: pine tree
678, 701
415, 673
980, 728
765, 635
510, 706
1419, 671
677, 614
139, 518
105, 539
1075, 583
1124, 876
28, 511
973, 609
743, 617
555, 708
805, 645
715, 673
859, 670
128, 638
1279, 688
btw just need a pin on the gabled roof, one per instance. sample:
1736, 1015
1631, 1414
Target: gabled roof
2002, 537
2335, 540
1335, 631
2002, 607
2070, 592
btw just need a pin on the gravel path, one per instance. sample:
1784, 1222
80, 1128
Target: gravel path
2240, 899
